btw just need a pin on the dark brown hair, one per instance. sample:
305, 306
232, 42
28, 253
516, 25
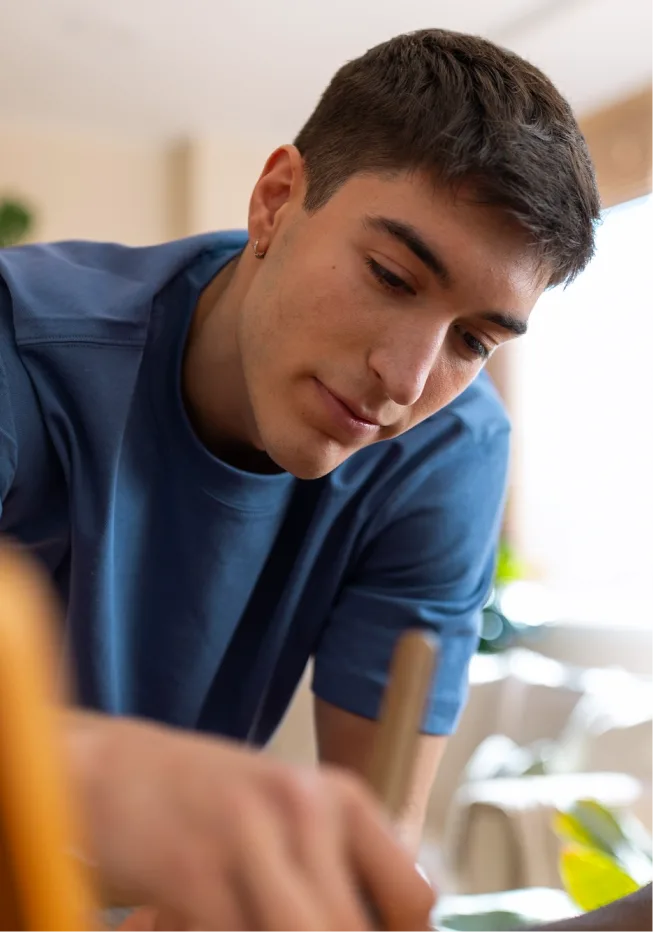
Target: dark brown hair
460, 109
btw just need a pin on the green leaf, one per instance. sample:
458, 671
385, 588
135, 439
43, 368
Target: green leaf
592, 879
509, 568
15, 222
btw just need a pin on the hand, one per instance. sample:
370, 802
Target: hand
225, 838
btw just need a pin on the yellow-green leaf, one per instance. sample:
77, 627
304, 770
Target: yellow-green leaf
600, 822
614, 834
569, 828
593, 879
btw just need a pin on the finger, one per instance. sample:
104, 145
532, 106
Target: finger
402, 898
274, 887
320, 847
215, 906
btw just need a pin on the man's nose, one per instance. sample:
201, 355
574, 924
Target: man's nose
405, 360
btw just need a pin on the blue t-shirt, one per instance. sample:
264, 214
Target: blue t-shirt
195, 593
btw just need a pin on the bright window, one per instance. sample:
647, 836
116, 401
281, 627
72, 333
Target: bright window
583, 439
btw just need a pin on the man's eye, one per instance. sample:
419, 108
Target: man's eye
475, 345
387, 278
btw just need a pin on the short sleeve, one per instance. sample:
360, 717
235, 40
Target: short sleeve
428, 563
8, 446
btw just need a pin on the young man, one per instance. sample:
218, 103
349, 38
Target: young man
239, 451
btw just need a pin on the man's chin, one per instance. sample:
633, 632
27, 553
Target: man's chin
311, 461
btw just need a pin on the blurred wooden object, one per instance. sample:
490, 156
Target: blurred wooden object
619, 140
402, 713
42, 886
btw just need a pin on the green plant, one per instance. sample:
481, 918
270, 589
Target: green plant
509, 567
15, 222
604, 856
497, 631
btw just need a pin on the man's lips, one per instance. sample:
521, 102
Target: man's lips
346, 415
356, 410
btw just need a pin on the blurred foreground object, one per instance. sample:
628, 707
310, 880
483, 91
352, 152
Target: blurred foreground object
402, 713
413, 666
42, 886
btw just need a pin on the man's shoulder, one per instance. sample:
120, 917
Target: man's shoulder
479, 409
463, 446
464, 435
81, 290
476, 419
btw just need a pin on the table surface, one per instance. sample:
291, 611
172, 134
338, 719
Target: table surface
536, 904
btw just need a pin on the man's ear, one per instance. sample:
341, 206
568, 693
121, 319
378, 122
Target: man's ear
278, 191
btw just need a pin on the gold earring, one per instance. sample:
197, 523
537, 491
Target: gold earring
257, 254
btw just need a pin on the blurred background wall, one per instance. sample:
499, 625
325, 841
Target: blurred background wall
88, 185
125, 187
144, 119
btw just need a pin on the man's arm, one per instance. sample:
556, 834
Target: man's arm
630, 914
427, 562
346, 740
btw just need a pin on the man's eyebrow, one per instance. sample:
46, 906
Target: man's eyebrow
413, 239
507, 321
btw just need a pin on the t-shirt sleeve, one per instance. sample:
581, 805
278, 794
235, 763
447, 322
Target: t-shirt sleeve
8, 446
429, 564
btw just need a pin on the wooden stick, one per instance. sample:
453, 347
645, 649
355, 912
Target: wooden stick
394, 756
41, 885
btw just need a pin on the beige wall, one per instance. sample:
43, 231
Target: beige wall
214, 181
88, 187
134, 191
619, 138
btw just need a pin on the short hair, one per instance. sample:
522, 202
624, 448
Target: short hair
460, 109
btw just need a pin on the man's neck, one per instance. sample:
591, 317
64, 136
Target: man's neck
213, 386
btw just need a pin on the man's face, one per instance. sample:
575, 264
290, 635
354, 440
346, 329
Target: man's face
369, 315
